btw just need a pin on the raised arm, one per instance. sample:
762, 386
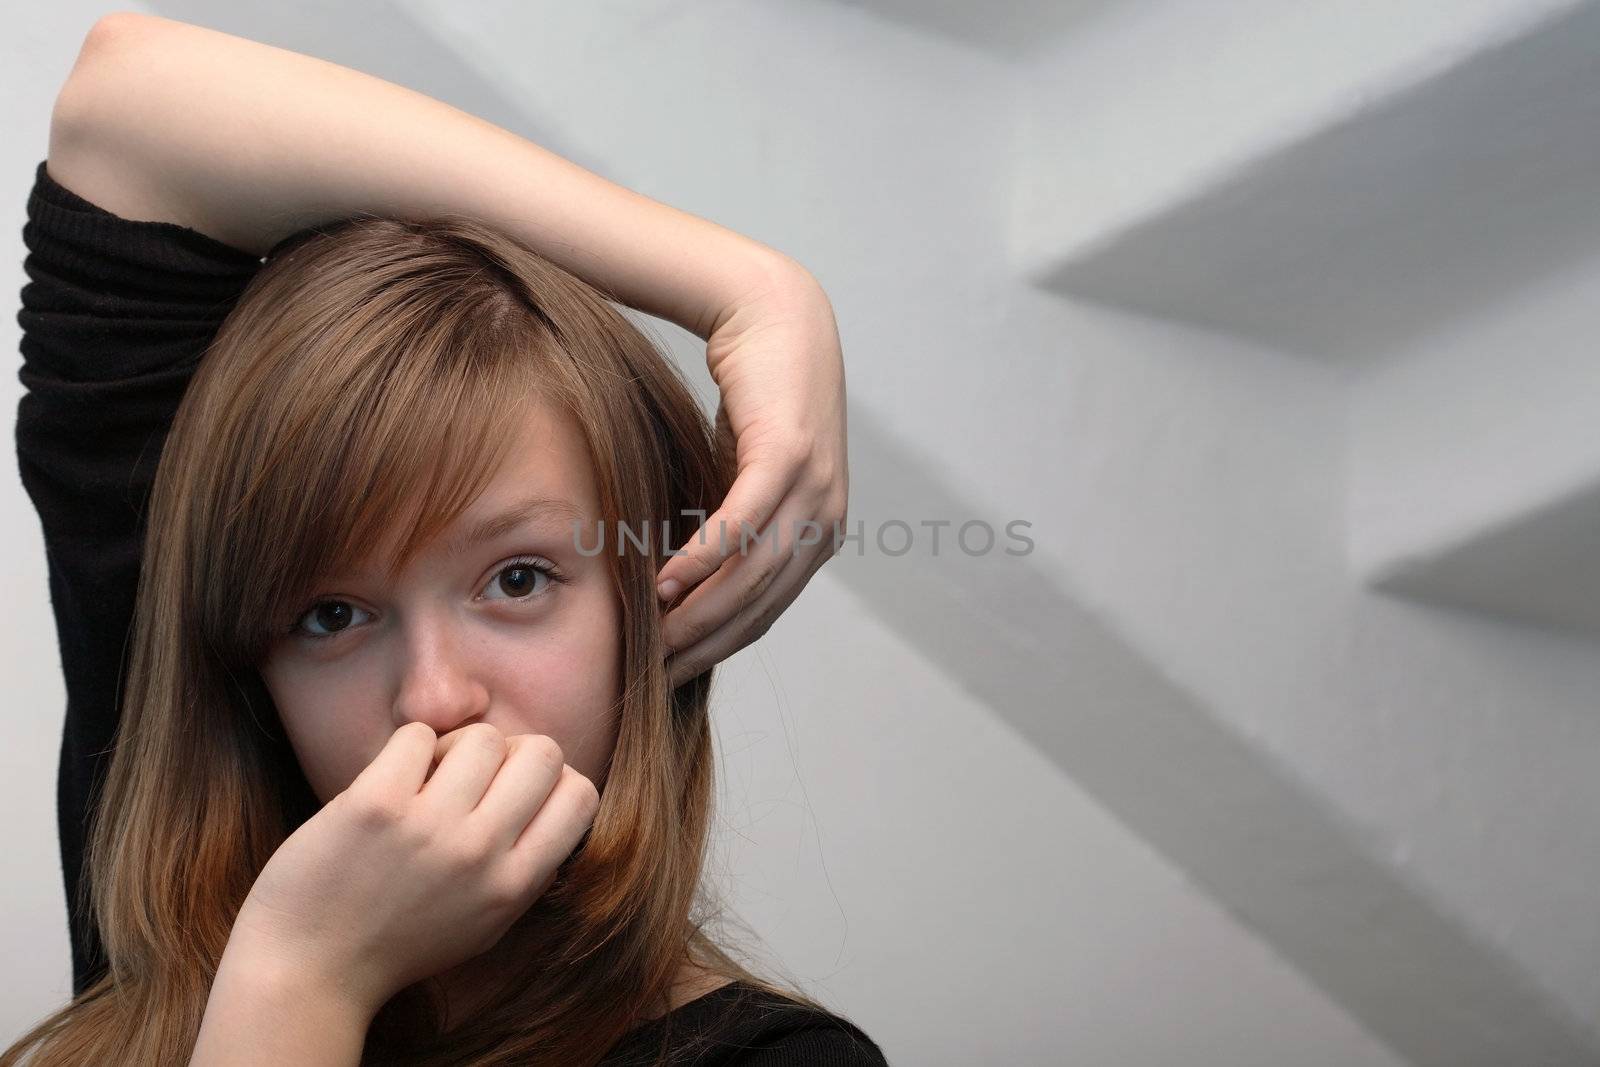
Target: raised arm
165, 121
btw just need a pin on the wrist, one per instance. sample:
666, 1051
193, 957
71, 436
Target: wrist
291, 984
263, 1010
788, 299
762, 279
773, 285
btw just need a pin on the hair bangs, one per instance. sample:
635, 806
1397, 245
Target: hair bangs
377, 472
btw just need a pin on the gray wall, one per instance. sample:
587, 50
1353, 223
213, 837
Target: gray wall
1279, 747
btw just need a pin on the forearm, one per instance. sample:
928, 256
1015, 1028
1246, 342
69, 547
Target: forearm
253, 143
260, 1014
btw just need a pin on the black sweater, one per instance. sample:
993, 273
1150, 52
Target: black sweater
114, 317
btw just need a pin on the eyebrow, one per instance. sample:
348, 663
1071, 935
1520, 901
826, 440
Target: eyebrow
542, 509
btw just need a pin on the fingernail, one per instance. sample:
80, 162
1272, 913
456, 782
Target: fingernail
668, 589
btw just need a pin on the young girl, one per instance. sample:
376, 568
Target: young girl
401, 775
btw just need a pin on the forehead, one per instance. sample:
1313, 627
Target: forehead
547, 457
547, 461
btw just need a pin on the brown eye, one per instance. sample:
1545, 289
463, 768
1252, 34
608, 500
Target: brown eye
519, 580
333, 616
523, 579
326, 619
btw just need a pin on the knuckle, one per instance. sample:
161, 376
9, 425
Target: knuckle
685, 670
585, 792
690, 631
703, 559
469, 846
484, 734
742, 523
373, 812
824, 471
547, 750
418, 727
761, 574
837, 534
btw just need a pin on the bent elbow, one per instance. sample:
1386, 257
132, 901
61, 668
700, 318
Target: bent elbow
76, 104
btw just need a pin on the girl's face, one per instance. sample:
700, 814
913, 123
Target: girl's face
501, 619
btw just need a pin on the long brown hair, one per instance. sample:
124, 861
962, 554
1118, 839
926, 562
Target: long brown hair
365, 379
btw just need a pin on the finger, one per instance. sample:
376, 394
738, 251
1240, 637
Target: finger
446, 741
748, 625
555, 831
466, 769
401, 766
751, 501
531, 770
741, 581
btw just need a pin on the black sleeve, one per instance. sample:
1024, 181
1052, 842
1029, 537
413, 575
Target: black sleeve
837, 1044
115, 314
741, 1025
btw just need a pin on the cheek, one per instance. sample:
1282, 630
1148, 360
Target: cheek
566, 685
331, 747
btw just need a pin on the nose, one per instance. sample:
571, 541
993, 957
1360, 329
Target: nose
438, 685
